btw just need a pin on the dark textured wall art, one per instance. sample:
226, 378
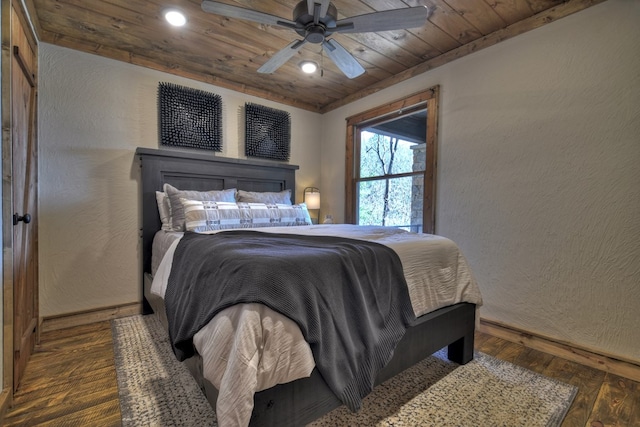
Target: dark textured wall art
267, 132
189, 117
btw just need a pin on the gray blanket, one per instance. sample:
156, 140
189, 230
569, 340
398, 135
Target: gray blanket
349, 297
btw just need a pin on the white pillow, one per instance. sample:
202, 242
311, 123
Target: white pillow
163, 210
202, 215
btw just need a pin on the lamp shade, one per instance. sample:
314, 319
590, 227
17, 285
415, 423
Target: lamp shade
311, 197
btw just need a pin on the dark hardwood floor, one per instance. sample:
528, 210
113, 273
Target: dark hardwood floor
71, 381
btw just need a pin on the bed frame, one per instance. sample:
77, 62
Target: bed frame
302, 401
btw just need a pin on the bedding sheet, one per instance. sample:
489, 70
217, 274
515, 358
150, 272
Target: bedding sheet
240, 358
161, 243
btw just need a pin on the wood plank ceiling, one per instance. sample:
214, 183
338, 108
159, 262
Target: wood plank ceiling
227, 52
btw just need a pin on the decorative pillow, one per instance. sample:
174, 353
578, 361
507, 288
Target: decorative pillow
176, 210
163, 210
281, 197
207, 216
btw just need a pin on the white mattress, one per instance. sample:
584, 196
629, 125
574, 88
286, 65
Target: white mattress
239, 359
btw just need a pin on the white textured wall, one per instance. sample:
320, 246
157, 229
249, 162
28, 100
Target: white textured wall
539, 174
93, 113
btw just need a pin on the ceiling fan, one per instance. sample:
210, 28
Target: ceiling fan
315, 21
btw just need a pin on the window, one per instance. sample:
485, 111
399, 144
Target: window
391, 164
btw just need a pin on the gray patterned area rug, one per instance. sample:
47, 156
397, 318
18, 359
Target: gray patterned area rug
157, 390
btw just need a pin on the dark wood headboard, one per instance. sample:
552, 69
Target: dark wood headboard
202, 172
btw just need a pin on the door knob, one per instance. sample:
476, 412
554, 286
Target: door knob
17, 218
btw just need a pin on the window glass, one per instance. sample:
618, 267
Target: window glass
385, 155
390, 202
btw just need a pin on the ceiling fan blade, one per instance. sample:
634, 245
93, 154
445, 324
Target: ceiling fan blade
385, 20
280, 57
324, 7
246, 14
343, 59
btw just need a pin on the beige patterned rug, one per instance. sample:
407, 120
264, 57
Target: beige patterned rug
157, 390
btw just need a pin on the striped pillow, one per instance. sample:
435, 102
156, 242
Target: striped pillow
202, 215
176, 211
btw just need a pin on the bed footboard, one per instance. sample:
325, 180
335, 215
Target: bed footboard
302, 401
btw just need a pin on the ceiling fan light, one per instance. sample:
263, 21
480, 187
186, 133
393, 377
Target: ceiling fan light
175, 17
308, 67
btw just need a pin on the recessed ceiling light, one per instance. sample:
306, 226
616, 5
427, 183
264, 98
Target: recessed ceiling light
175, 17
308, 67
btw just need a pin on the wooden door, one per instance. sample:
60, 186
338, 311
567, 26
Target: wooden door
24, 194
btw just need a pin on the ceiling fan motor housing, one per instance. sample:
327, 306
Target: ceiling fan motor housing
314, 32
315, 21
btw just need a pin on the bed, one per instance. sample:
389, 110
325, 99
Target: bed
305, 399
